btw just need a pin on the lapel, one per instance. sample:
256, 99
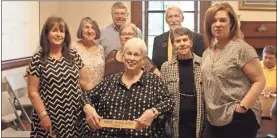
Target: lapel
164, 40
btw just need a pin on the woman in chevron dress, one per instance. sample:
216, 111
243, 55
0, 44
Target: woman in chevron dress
55, 77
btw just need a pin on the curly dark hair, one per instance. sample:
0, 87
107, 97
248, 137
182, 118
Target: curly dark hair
44, 41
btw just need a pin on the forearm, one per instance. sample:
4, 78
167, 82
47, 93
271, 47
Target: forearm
165, 105
86, 85
253, 93
85, 99
37, 103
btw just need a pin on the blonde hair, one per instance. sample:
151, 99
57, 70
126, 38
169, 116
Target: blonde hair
135, 43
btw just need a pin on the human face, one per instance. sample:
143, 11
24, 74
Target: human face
221, 25
88, 32
183, 45
269, 60
56, 35
126, 34
174, 19
119, 16
133, 59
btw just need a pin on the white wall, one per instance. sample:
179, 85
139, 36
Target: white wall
20, 29
251, 15
72, 12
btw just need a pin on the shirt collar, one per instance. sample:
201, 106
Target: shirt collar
196, 59
140, 81
115, 28
263, 66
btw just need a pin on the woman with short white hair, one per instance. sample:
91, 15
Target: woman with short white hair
130, 95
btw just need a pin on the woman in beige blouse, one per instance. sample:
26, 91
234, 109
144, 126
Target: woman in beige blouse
232, 77
92, 54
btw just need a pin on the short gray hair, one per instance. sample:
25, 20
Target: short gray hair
94, 26
118, 5
133, 26
270, 50
173, 8
136, 43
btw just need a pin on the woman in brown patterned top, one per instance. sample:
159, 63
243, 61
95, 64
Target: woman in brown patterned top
130, 95
182, 76
113, 61
232, 77
92, 54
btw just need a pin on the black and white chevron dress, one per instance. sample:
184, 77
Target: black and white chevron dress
60, 91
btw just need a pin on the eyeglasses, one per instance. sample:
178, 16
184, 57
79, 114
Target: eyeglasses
119, 14
127, 34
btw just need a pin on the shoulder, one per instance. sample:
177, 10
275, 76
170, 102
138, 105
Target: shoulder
74, 53
74, 45
106, 28
197, 59
101, 48
241, 45
164, 35
166, 64
150, 75
197, 35
112, 53
206, 52
113, 77
148, 59
37, 56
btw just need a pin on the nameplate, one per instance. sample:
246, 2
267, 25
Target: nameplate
110, 123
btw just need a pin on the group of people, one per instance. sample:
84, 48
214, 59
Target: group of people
184, 91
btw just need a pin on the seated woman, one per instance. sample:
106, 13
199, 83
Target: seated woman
130, 95
113, 61
92, 54
182, 75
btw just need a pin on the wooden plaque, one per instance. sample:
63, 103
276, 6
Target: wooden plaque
110, 123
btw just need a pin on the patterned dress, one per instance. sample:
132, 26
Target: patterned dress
59, 90
95, 62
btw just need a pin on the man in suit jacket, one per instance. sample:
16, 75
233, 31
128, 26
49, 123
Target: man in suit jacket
162, 49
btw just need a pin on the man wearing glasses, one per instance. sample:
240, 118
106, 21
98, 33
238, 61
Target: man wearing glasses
109, 38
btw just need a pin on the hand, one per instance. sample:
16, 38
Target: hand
145, 120
270, 90
239, 109
92, 117
45, 123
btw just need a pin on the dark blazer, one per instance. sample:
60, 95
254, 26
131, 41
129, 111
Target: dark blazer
160, 48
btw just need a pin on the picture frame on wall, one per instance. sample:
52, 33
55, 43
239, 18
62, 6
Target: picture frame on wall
257, 5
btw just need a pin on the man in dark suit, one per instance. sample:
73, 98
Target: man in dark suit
162, 49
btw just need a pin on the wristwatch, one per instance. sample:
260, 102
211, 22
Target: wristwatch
43, 114
243, 107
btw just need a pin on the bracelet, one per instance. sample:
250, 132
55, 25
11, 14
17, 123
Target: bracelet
43, 114
243, 107
154, 111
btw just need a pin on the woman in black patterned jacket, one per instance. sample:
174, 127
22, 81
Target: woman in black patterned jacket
182, 75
